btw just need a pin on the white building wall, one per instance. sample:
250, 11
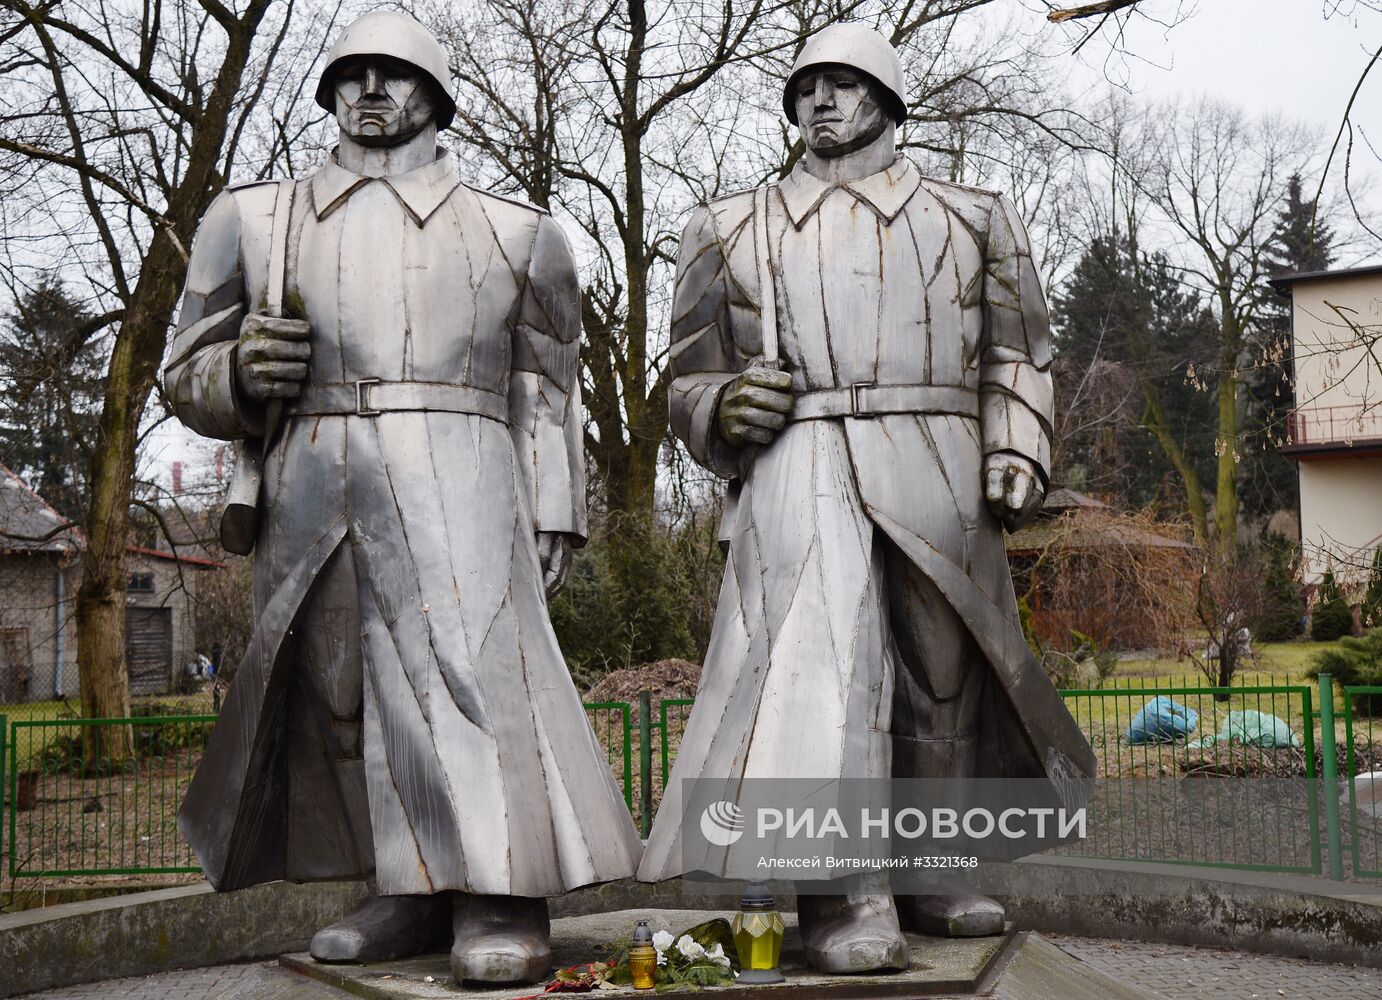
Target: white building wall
1332, 321
31, 600
1340, 515
1338, 397
174, 585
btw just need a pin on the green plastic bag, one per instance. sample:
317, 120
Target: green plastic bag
1253, 729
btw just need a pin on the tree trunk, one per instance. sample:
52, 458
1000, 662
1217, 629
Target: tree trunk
1153, 415
1226, 441
1226, 488
133, 368
139, 346
1154, 419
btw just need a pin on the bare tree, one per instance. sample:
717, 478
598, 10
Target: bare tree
123, 123
622, 115
1218, 181
1145, 321
1230, 599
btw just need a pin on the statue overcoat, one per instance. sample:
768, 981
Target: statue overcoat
894, 280
476, 767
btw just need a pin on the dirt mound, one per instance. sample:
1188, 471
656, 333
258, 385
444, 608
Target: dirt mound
665, 679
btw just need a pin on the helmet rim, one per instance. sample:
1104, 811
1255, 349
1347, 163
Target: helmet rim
897, 111
410, 43
857, 46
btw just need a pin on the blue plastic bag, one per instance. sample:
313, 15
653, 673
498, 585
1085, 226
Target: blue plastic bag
1161, 720
1253, 729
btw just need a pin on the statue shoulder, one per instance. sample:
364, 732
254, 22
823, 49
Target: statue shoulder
507, 204
961, 193
253, 195
973, 205
731, 210
272, 182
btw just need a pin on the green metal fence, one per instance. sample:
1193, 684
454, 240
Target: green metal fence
1363, 760
1149, 806
74, 811
70, 813
610, 720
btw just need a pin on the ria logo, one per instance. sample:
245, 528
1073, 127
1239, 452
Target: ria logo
722, 823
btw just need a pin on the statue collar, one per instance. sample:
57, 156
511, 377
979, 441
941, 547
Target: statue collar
420, 191
886, 192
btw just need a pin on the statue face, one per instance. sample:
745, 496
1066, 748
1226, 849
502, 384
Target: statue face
839, 110
382, 101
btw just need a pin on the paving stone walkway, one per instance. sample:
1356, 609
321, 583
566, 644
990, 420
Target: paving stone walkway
193, 984
1177, 973
1209, 974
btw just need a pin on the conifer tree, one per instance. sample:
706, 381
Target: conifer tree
1301, 243
1126, 318
50, 391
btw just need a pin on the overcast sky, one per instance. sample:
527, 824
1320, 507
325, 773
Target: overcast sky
1266, 56
1263, 54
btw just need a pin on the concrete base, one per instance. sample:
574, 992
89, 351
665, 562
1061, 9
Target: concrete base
1014, 966
186, 927
1269, 913
191, 926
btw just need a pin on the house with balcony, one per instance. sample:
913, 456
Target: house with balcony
1335, 430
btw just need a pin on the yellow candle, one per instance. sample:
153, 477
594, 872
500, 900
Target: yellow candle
642, 957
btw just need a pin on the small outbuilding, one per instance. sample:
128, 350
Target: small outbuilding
1082, 566
40, 566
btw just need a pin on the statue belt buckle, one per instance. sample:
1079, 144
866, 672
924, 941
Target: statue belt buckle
856, 410
362, 408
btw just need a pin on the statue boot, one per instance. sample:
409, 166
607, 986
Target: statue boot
851, 932
500, 939
951, 914
383, 928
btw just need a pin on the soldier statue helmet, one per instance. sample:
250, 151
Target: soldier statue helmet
859, 47
396, 36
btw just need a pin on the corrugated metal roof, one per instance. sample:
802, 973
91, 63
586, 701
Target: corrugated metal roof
28, 524
1062, 499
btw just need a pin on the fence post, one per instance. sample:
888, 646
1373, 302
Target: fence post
4, 777
1330, 777
645, 762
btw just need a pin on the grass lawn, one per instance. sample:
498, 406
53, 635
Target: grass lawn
1105, 716
32, 740
1272, 663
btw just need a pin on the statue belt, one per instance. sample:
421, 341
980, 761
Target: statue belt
865, 399
369, 397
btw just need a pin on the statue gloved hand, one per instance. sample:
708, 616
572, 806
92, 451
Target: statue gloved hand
754, 407
271, 359
1013, 488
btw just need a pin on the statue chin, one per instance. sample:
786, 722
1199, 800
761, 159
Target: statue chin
375, 134
830, 145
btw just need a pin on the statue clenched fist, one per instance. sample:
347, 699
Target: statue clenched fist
271, 361
754, 406
1012, 488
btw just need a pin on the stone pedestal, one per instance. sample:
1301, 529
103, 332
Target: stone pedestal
1016, 966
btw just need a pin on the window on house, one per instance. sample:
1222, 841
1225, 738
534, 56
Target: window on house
141, 583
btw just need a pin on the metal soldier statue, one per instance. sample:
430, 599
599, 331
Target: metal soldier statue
863, 352
398, 352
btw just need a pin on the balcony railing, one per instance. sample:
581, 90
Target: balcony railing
1348, 425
